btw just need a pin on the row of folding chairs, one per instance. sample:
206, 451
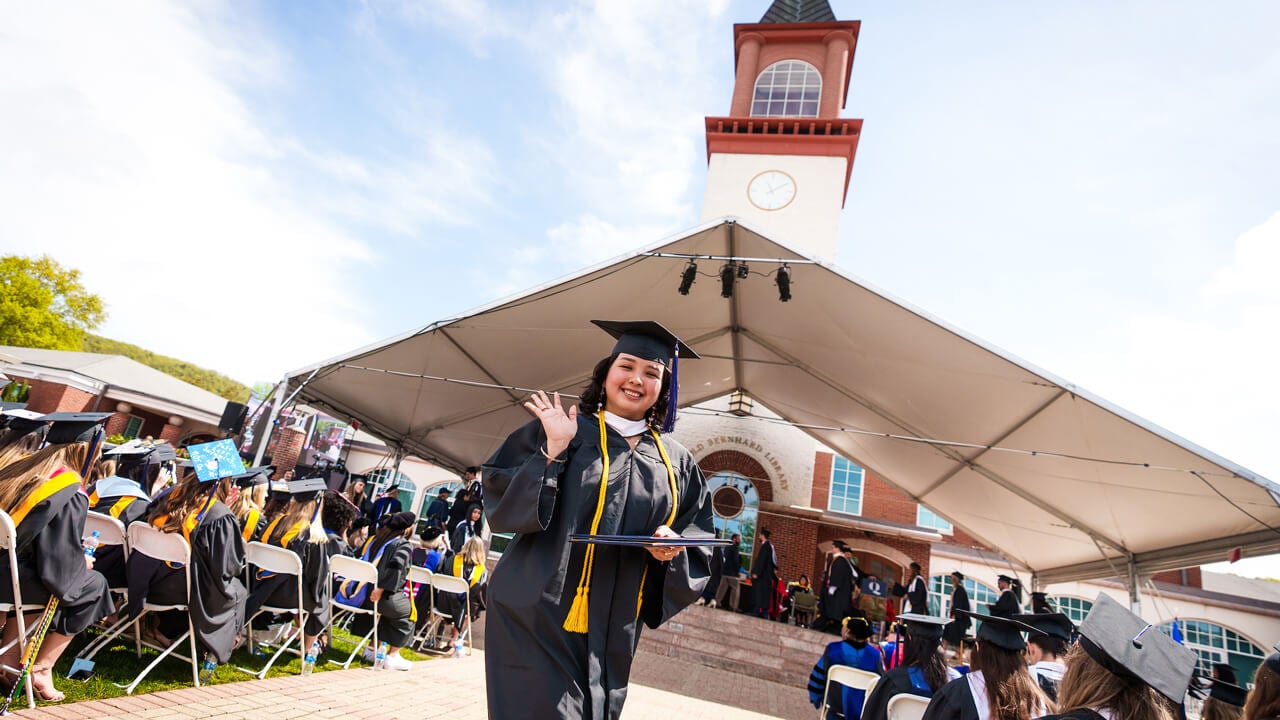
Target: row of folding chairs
903, 706
432, 634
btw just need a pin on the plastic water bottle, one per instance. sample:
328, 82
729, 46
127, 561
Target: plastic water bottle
206, 669
459, 648
380, 659
309, 660
91, 544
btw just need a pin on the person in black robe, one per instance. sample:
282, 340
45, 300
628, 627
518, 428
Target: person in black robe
299, 529
764, 576
121, 495
999, 679
337, 515
838, 600
1010, 601
466, 528
1120, 656
467, 563
922, 672
42, 495
388, 504
564, 618
390, 550
955, 632
917, 593
249, 505
217, 596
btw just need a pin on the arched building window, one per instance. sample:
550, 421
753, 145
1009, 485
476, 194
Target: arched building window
1213, 643
734, 501
379, 479
940, 595
1073, 607
788, 88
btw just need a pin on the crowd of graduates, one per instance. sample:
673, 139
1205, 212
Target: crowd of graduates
54, 470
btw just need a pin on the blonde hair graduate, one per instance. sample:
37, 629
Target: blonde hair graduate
564, 618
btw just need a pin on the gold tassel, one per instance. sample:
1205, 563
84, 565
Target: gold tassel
579, 611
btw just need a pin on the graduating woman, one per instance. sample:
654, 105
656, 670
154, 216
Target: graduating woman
299, 529
954, 633
198, 510
390, 550
41, 493
999, 687
1263, 702
1122, 668
248, 506
564, 618
923, 670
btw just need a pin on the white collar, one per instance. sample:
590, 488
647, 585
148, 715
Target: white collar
624, 427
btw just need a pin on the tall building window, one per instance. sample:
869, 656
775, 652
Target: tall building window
379, 479
132, 428
1073, 607
846, 487
940, 595
1214, 643
789, 88
927, 518
734, 502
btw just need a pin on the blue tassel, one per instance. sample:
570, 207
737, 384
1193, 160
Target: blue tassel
669, 423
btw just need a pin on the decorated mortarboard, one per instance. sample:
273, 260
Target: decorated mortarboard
116, 486
1053, 624
1226, 692
306, 488
924, 626
1000, 631
72, 427
1126, 645
215, 460
132, 450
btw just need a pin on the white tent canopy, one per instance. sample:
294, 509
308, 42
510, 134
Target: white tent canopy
859, 371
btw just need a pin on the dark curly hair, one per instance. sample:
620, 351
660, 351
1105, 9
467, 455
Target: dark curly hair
592, 397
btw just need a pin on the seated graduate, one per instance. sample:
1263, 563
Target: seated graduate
1226, 698
248, 506
999, 686
42, 494
467, 563
430, 555
123, 496
388, 549
1047, 648
852, 650
466, 528
337, 515
198, 510
299, 529
1123, 668
1264, 698
22, 433
923, 670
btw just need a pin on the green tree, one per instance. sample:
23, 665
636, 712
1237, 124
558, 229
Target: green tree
44, 305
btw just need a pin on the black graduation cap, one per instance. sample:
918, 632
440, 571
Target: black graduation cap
1054, 624
253, 476
957, 574
307, 488
924, 626
645, 339
1007, 578
1229, 693
999, 631
21, 422
1126, 645
1225, 673
859, 628
70, 427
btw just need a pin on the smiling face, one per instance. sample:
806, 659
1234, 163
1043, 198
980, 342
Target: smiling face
632, 386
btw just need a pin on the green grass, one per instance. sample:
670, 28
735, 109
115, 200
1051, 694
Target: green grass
118, 664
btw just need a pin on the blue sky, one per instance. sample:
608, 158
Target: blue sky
1091, 186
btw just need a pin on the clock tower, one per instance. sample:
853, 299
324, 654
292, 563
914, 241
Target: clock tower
782, 158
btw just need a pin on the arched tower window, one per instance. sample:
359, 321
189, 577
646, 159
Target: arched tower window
787, 88
734, 501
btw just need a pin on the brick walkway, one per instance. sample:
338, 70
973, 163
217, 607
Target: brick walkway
661, 689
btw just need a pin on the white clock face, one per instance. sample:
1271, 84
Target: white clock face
771, 190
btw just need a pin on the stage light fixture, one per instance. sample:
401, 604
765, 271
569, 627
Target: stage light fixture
783, 281
726, 280
742, 271
686, 279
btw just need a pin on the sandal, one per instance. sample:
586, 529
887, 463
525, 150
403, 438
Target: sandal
47, 693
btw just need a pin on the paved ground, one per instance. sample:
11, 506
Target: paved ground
661, 689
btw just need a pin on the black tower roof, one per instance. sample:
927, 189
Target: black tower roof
799, 11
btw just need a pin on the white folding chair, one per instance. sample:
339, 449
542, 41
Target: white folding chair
281, 561
451, 584
8, 540
110, 532
347, 569
849, 677
906, 706
420, 578
169, 548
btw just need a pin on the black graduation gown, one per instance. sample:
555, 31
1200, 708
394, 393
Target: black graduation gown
894, 682
839, 598
50, 554
917, 596
1006, 605
953, 701
1074, 715
955, 632
282, 590
109, 559
536, 668
217, 597
764, 578
395, 623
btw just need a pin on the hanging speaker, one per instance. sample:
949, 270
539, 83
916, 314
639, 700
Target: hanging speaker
233, 416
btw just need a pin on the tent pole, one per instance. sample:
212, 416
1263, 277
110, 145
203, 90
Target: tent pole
276, 404
1135, 601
